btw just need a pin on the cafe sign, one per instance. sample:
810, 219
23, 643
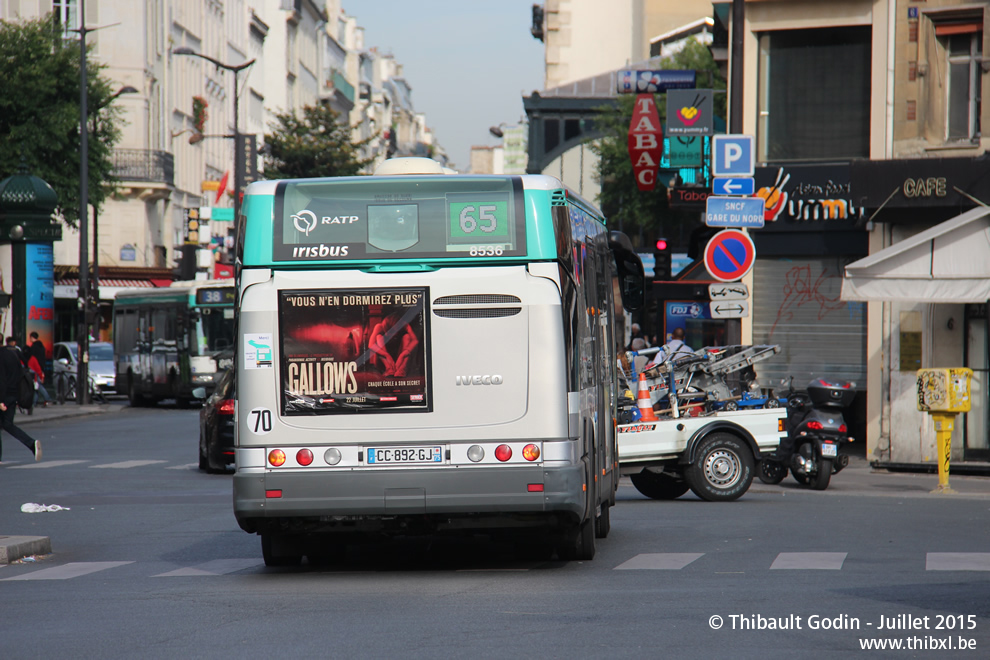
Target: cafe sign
920, 182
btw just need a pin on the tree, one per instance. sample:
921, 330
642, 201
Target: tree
39, 113
316, 144
621, 201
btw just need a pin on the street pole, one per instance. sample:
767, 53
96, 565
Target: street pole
238, 152
733, 327
238, 158
82, 373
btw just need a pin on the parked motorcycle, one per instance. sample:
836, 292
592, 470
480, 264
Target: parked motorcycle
816, 432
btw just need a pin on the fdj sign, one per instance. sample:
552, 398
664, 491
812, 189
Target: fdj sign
645, 142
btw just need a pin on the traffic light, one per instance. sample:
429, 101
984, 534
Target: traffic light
661, 260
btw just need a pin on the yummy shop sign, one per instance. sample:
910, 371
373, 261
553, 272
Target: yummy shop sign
806, 194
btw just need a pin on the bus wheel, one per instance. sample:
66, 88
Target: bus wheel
275, 554
603, 523
578, 542
133, 396
722, 470
659, 486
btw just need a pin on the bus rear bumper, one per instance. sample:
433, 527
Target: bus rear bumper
441, 498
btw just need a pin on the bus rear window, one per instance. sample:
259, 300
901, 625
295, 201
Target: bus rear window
399, 218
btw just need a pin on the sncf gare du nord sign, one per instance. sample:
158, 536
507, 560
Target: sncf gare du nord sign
645, 141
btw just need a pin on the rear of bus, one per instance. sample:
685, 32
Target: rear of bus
404, 361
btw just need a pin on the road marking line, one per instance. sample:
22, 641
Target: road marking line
187, 466
45, 464
215, 567
957, 561
830, 561
127, 464
68, 571
660, 561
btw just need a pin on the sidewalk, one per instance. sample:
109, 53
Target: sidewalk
860, 478
62, 411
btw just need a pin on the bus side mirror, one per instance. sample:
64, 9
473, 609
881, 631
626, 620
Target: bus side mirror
629, 268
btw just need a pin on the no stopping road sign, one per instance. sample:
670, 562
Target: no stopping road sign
729, 255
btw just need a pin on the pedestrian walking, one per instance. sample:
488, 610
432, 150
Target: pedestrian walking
10, 376
40, 392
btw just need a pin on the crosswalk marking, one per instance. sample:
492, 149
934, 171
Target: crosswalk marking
44, 465
663, 561
127, 464
215, 567
831, 561
68, 571
957, 561
669, 561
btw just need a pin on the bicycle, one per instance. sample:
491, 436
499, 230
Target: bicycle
65, 389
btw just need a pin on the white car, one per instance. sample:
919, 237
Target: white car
65, 366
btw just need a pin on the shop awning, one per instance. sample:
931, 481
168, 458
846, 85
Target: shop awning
109, 288
113, 283
949, 263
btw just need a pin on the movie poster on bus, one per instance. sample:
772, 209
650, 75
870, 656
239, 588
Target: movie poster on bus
354, 350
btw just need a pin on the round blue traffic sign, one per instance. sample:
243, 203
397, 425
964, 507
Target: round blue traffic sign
729, 255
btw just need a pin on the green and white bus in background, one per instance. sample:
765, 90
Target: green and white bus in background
424, 352
172, 340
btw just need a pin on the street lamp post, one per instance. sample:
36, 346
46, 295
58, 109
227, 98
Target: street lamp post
82, 373
238, 156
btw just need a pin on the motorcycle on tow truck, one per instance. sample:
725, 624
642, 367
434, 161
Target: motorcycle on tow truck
816, 431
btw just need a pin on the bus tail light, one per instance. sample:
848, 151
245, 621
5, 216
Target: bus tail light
332, 456
503, 452
476, 453
273, 494
534, 488
304, 457
531, 453
276, 457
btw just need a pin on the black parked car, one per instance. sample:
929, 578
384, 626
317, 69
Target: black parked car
216, 426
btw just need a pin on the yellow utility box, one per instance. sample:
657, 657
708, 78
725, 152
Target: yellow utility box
944, 393
944, 390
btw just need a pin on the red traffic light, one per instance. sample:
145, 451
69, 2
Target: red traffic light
661, 244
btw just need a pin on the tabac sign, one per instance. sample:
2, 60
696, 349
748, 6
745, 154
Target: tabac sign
645, 142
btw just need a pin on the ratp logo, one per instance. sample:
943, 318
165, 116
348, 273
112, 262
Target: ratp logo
304, 221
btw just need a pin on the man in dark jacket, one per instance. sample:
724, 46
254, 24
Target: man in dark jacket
10, 376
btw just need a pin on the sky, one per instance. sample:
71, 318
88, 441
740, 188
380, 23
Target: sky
469, 62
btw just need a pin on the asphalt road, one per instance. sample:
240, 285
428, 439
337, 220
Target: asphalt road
148, 562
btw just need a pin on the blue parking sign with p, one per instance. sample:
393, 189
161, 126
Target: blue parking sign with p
732, 155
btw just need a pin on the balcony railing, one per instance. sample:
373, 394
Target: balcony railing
144, 165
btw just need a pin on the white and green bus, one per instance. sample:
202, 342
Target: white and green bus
172, 340
420, 351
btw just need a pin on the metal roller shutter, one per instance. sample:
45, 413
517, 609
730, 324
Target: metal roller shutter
796, 304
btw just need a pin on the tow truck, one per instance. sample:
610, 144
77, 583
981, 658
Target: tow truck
699, 441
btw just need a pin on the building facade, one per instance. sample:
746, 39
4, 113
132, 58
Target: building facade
175, 161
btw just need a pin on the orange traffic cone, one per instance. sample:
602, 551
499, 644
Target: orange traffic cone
643, 401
